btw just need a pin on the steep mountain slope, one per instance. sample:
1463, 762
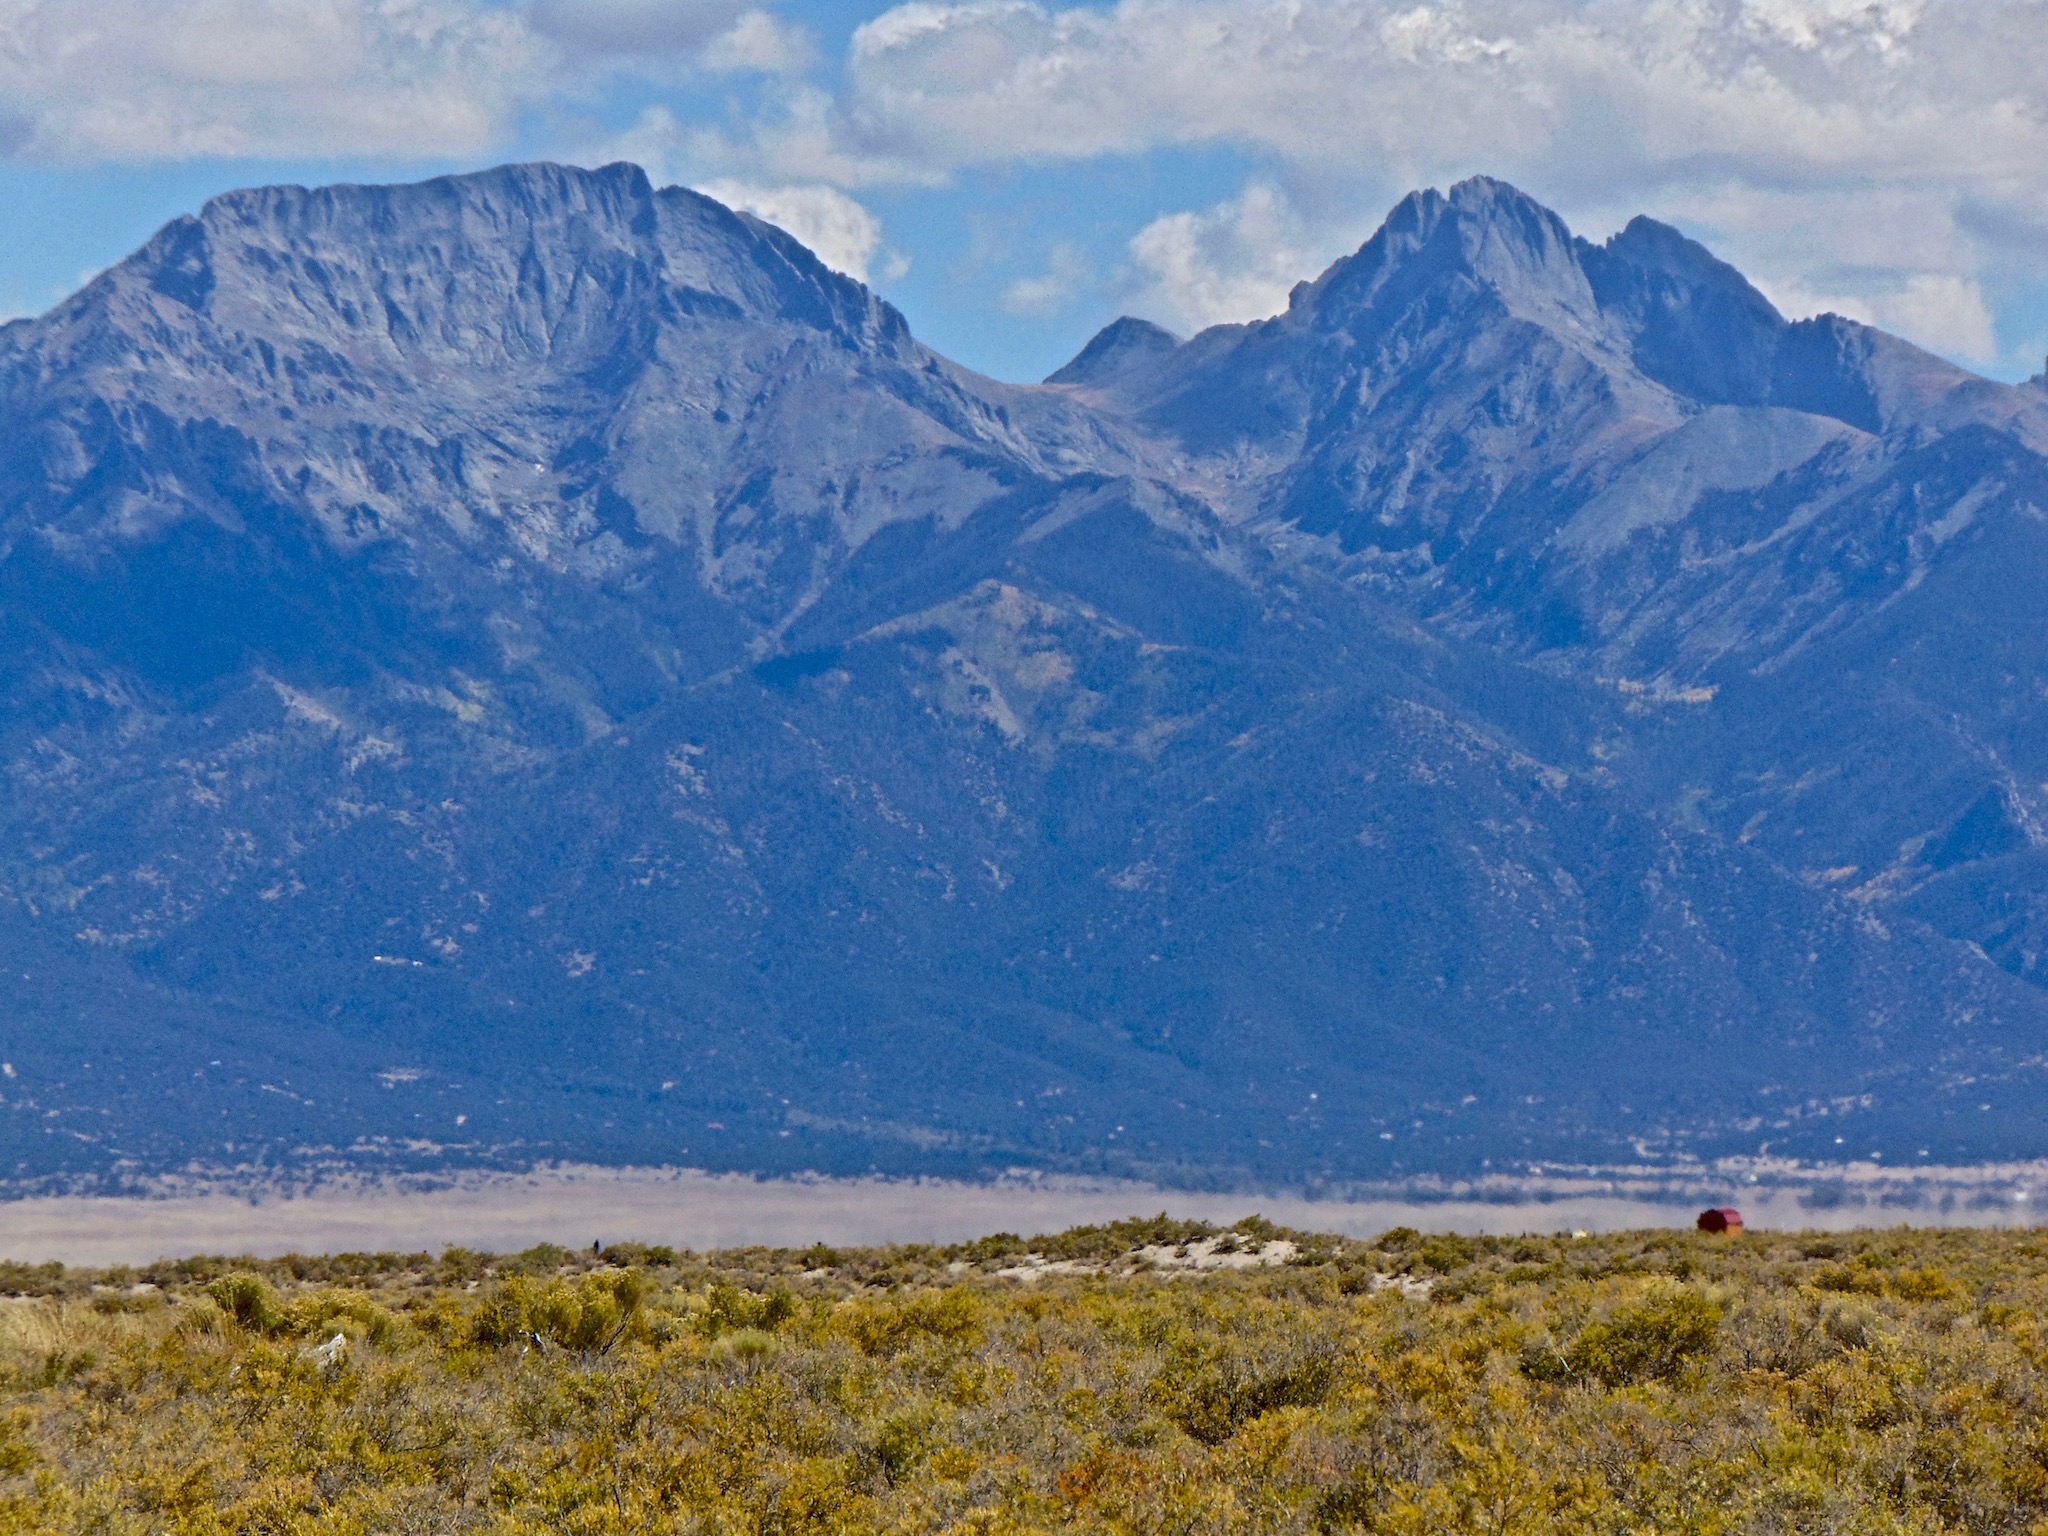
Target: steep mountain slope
1802, 552
566, 369
530, 665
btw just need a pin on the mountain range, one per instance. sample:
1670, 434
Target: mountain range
535, 666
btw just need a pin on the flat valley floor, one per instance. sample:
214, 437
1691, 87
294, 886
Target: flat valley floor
691, 1209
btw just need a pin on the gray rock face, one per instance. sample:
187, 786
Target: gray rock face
530, 665
1120, 348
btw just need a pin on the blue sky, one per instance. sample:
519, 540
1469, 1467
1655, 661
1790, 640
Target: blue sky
1013, 175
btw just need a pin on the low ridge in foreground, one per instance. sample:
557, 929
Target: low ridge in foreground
533, 666
1144, 1376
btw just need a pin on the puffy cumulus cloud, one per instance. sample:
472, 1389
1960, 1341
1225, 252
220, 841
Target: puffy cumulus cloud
150, 79
1235, 261
1068, 273
647, 35
1313, 79
1827, 126
1638, 87
1940, 311
1812, 23
797, 137
1947, 312
759, 41
638, 28
838, 230
85, 80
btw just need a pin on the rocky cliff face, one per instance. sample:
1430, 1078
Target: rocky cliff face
530, 665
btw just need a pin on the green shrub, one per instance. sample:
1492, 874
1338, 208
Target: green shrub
590, 1315
1116, 1238
1851, 1278
886, 1328
320, 1310
1213, 1394
244, 1298
540, 1259
1653, 1339
640, 1256
902, 1440
17, 1451
1444, 1254
729, 1307
747, 1348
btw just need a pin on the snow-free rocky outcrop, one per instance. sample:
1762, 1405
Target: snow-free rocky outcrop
532, 665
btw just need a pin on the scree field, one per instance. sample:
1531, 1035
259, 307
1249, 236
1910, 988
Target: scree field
1143, 1377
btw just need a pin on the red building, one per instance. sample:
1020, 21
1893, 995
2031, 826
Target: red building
1720, 1219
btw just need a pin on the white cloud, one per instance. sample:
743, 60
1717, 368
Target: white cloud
1644, 86
1945, 311
800, 138
157, 79
662, 145
838, 230
1067, 273
1427, 33
1234, 262
1337, 79
761, 42
1939, 310
634, 28
1880, 24
140, 80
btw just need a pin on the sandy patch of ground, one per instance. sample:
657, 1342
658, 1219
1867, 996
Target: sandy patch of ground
1225, 1251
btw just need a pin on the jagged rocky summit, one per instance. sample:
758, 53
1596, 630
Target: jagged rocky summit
533, 666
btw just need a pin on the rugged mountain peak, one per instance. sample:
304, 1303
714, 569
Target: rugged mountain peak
1655, 248
1389, 328
1695, 324
1486, 237
1900, 388
1509, 239
1120, 346
507, 268
1466, 327
566, 369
